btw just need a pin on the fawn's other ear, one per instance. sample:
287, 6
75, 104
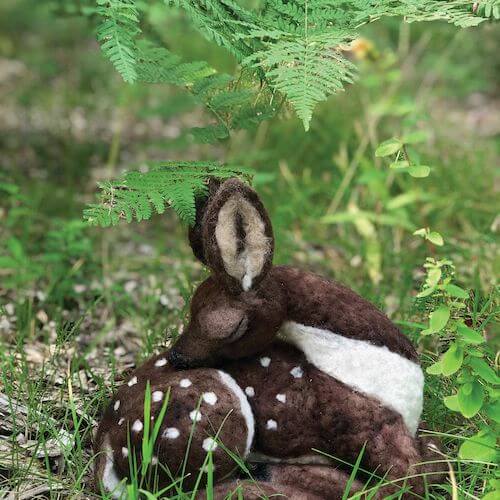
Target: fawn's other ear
237, 236
195, 232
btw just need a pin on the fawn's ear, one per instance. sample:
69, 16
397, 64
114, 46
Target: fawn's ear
195, 233
237, 236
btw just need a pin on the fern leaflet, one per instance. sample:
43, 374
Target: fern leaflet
117, 34
174, 184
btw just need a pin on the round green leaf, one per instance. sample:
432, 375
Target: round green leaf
485, 371
456, 291
492, 495
479, 447
425, 293
436, 238
493, 411
401, 165
435, 369
470, 399
452, 360
469, 335
419, 171
439, 318
451, 402
389, 147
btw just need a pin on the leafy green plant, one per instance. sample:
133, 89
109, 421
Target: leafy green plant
468, 364
175, 184
294, 47
399, 147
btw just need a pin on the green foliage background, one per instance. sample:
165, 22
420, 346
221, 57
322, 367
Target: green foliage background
391, 191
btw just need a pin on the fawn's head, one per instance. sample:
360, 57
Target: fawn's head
238, 310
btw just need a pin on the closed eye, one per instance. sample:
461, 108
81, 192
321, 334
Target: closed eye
240, 330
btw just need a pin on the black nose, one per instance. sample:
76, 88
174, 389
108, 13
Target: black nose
178, 360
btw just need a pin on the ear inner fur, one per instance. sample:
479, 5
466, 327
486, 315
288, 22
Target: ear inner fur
237, 269
243, 260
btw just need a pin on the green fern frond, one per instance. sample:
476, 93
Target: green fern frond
158, 65
137, 195
221, 21
289, 46
210, 134
487, 9
306, 70
117, 34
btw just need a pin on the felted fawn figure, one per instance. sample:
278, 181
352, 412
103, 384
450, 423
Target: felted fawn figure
203, 410
355, 376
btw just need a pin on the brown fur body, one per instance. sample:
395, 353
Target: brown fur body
236, 316
221, 421
339, 421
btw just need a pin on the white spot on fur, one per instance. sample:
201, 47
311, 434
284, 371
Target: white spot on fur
281, 398
209, 444
297, 372
161, 362
245, 408
246, 283
185, 382
110, 481
265, 361
125, 452
171, 433
250, 391
271, 425
137, 426
195, 415
120, 422
210, 398
132, 381
116, 405
433, 447
376, 371
157, 396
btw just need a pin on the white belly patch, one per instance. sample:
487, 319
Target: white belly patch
376, 371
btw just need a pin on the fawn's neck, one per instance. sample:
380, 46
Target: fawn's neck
321, 303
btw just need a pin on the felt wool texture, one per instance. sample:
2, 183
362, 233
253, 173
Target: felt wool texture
245, 233
110, 481
373, 370
308, 394
325, 414
316, 301
241, 238
293, 482
325, 482
257, 490
225, 417
208, 337
319, 412
195, 231
316, 459
244, 408
278, 294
